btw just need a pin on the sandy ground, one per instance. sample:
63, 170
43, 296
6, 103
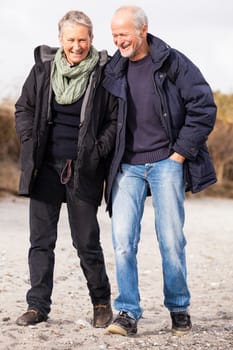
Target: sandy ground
209, 232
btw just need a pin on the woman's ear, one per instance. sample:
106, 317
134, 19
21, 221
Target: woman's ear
60, 39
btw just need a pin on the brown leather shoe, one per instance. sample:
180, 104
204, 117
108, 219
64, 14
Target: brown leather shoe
30, 317
102, 315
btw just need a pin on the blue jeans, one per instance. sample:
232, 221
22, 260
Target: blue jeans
166, 184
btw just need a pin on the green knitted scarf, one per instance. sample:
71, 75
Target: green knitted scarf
69, 83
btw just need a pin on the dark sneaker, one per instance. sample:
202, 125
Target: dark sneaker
31, 317
181, 323
102, 315
123, 325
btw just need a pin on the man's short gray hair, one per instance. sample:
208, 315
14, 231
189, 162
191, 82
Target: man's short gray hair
139, 16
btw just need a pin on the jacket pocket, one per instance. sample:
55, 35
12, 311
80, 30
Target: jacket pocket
88, 160
26, 154
200, 172
27, 167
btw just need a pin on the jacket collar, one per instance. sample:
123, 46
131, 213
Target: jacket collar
159, 51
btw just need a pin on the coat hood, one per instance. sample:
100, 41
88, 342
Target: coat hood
44, 53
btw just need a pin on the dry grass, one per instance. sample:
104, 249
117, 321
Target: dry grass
9, 177
9, 150
9, 158
9, 145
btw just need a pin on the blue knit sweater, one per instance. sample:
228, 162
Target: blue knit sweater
146, 139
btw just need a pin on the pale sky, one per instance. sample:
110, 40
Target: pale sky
201, 29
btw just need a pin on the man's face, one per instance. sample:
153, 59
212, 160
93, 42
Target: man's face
129, 40
76, 42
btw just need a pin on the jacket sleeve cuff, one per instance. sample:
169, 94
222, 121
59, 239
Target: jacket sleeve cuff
189, 154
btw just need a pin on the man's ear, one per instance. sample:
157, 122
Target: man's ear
144, 31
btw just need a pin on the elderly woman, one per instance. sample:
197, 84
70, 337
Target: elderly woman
66, 123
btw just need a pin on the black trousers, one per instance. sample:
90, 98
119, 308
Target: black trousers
44, 216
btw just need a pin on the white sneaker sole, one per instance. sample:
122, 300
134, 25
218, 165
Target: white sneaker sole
114, 329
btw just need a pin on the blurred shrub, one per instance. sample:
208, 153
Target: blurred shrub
221, 149
220, 144
224, 103
9, 149
9, 145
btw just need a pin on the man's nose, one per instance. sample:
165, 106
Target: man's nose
118, 40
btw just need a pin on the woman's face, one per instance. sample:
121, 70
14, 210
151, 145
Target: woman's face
76, 42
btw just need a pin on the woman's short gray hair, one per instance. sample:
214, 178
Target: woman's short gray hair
75, 17
139, 16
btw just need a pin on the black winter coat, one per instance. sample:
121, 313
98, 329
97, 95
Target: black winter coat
96, 135
187, 111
